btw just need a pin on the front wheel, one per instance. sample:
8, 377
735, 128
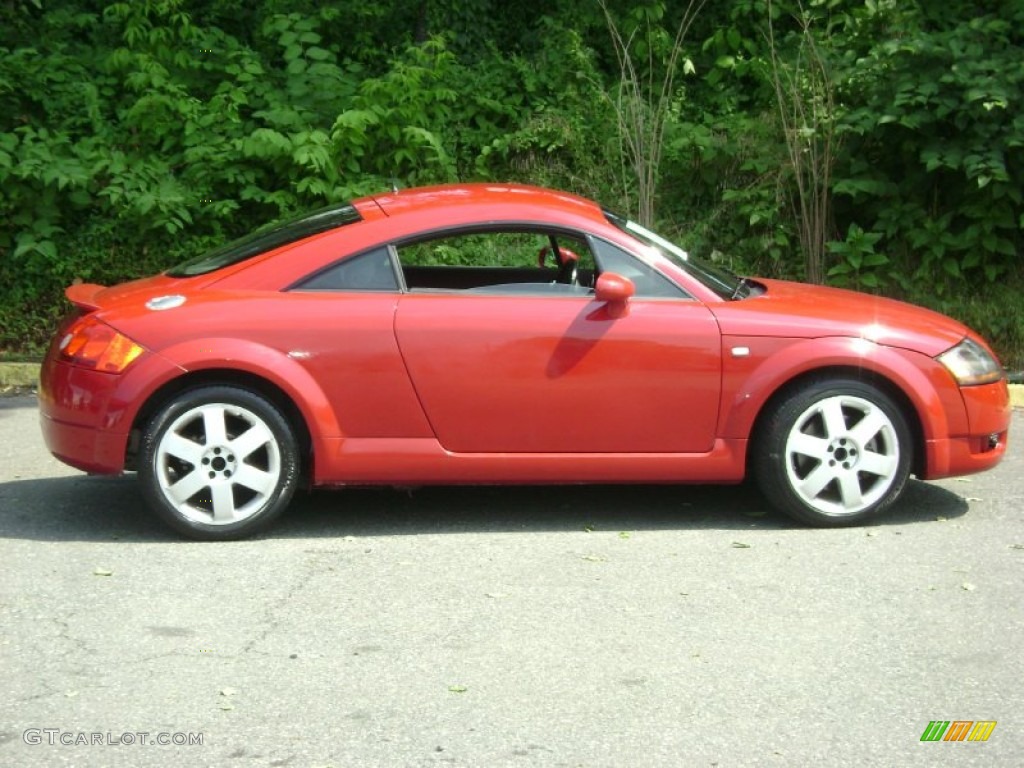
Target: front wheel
218, 463
833, 453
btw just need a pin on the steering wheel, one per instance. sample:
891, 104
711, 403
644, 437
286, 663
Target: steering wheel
568, 262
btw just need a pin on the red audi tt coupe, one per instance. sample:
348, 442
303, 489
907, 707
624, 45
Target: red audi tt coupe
497, 333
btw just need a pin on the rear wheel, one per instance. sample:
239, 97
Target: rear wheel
218, 463
833, 453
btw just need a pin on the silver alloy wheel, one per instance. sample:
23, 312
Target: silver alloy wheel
218, 464
842, 455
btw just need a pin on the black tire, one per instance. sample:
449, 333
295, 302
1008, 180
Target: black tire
218, 463
833, 453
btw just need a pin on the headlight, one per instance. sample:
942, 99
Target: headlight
970, 363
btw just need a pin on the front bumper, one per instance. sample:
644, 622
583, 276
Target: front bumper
988, 412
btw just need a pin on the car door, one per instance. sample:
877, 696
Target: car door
552, 371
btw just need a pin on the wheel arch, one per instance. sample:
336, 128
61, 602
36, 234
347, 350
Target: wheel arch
834, 372
227, 377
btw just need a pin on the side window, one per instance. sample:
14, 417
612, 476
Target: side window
519, 261
370, 271
648, 282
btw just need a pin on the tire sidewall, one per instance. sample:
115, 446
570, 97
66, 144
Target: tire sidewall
770, 460
149, 472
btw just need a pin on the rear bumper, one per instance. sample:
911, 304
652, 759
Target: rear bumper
75, 419
86, 416
85, 448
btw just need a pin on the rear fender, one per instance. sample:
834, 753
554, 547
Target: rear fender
286, 373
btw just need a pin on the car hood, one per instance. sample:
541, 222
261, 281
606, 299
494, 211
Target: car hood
797, 310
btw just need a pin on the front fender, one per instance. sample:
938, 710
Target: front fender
749, 382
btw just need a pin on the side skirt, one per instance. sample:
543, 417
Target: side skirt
423, 461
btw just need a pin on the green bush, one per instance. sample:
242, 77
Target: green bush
136, 134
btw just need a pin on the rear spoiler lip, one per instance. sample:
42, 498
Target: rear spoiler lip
83, 295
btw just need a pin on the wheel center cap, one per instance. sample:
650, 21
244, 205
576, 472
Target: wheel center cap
219, 462
843, 452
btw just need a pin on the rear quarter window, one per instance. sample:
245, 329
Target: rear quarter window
371, 271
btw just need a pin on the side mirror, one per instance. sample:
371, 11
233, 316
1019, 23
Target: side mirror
613, 288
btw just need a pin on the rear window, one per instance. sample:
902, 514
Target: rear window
267, 239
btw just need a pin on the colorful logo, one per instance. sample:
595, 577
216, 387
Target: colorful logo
958, 730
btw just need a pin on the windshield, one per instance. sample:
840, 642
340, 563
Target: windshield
267, 239
721, 281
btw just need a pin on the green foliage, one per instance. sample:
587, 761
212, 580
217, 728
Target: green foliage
925, 191
389, 131
726, 180
136, 134
493, 249
140, 136
935, 144
541, 119
859, 262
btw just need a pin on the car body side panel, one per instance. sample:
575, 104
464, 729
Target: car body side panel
334, 353
563, 374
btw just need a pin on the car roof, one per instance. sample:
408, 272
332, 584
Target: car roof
503, 198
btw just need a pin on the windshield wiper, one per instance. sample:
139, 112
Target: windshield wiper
744, 282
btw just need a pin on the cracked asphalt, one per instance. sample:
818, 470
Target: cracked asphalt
605, 626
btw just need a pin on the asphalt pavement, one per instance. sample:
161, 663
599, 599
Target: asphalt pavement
598, 626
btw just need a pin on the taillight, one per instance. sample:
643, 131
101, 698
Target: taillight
91, 343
